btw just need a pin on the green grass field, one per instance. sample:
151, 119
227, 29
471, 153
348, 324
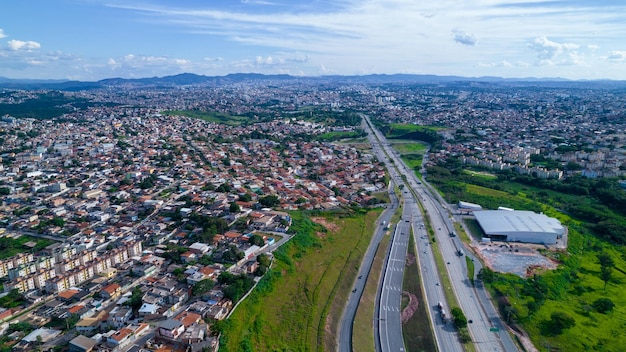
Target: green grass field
409, 147
336, 136
413, 161
210, 117
299, 305
13, 246
402, 128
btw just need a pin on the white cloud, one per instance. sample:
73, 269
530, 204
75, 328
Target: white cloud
553, 53
23, 45
211, 59
617, 56
463, 37
2, 35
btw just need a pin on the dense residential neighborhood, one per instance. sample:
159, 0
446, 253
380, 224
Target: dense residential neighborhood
147, 228
130, 225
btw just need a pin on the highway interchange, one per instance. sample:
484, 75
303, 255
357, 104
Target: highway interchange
486, 330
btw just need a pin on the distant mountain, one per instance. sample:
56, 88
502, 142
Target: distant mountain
194, 79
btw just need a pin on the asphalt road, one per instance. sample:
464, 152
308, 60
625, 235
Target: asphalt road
487, 330
389, 323
347, 319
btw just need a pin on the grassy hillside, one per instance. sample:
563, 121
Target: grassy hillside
297, 306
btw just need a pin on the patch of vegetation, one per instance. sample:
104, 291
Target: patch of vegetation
10, 247
470, 269
215, 117
417, 331
45, 106
409, 148
336, 136
413, 161
578, 306
297, 304
12, 300
426, 134
363, 330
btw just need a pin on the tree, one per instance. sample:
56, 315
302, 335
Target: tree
606, 267
245, 197
224, 188
263, 260
558, 322
603, 305
460, 321
486, 275
135, 300
269, 201
257, 240
202, 287
234, 208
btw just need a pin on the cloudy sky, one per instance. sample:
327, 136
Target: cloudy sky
95, 39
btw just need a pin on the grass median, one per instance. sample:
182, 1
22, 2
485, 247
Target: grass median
417, 331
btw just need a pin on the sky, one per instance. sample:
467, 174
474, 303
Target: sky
90, 40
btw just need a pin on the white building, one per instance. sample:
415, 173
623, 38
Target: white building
519, 226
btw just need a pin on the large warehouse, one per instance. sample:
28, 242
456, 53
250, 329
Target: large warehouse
519, 226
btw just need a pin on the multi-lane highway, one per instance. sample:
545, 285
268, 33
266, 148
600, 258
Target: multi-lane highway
347, 319
486, 329
389, 328
389, 323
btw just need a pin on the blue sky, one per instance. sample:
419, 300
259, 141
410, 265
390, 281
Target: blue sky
93, 39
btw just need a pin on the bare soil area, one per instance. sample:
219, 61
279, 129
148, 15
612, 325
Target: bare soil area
409, 310
520, 259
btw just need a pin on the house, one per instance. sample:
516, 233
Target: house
188, 318
171, 329
5, 314
189, 256
111, 291
200, 307
199, 248
120, 338
119, 316
148, 309
194, 334
217, 312
79, 310
251, 266
82, 343
178, 297
89, 326
67, 295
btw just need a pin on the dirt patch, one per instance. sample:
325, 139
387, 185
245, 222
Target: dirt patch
521, 259
330, 226
410, 259
408, 312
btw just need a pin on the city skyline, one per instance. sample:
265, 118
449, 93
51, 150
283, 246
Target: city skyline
92, 40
